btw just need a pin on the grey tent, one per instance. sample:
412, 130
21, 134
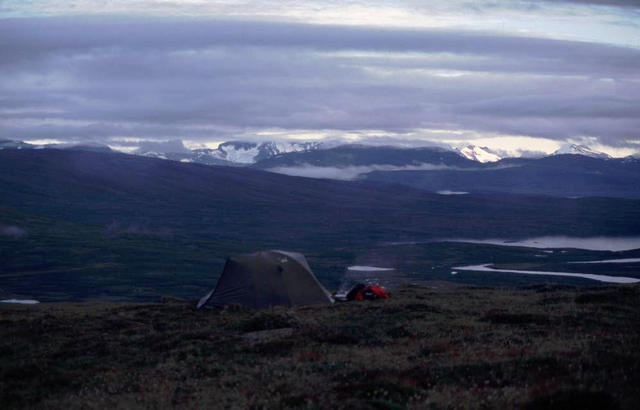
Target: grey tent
267, 278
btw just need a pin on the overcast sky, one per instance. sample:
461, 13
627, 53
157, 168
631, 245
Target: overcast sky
526, 75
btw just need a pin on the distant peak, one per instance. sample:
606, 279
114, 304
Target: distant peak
577, 149
479, 154
244, 152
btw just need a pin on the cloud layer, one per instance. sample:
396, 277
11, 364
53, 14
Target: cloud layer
100, 79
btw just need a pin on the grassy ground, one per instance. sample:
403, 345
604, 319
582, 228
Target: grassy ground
424, 348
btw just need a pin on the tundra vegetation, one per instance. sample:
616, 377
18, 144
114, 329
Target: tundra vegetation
545, 346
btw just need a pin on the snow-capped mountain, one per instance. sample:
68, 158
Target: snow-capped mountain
247, 153
364, 158
232, 153
14, 144
235, 153
580, 150
479, 154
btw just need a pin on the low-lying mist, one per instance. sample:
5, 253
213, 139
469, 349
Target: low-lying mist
350, 173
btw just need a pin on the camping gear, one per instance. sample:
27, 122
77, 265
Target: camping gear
267, 278
369, 292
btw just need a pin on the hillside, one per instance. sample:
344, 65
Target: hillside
86, 225
363, 155
558, 175
434, 169
536, 348
224, 202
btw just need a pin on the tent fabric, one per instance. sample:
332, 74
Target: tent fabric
374, 292
362, 292
267, 278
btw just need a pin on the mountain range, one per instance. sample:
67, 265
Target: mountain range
573, 171
566, 175
438, 170
244, 153
100, 188
230, 153
580, 150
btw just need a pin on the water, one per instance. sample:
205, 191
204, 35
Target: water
600, 278
627, 260
600, 243
368, 268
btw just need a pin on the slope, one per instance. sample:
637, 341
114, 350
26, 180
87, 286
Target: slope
362, 155
90, 225
558, 175
192, 199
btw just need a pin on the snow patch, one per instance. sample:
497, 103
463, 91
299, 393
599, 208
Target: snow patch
368, 268
479, 154
282, 148
20, 301
580, 150
127, 149
250, 152
239, 155
153, 154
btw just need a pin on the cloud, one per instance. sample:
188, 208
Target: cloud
614, 3
31, 37
171, 146
349, 173
98, 79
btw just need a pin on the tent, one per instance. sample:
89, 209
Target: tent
267, 278
362, 292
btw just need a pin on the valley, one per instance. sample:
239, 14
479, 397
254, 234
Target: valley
81, 225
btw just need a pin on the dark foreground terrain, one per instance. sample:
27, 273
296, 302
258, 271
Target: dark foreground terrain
540, 347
